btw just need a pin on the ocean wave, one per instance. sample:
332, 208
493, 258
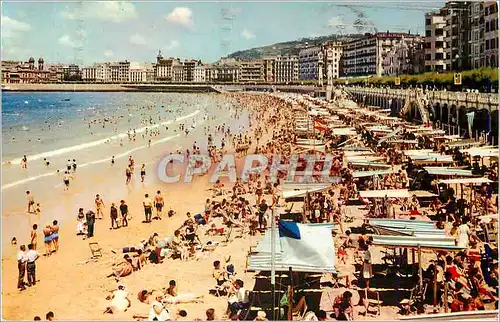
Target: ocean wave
107, 159
97, 142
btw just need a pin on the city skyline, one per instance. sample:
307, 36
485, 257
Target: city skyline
88, 32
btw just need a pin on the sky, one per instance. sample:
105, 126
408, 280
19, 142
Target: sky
85, 32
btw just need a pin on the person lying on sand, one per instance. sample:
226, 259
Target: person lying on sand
124, 268
173, 297
119, 300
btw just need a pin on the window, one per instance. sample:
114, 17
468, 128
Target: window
487, 26
439, 44
492, 43
427, 22
487, 44
439, 32
428, 57
428, 33
439, 56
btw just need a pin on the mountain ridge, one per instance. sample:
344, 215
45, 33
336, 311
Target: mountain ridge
288, 47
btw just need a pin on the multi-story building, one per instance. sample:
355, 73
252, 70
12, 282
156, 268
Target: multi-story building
310, 60
270, 69
435, 45
189, 66
405, 58
491, 33
223, 72
89, 74
286, 69
72, 72
141, 75
457, 35
252, 71
178, 73
332, 54
364, 56
25, 72
164, 68
199, 74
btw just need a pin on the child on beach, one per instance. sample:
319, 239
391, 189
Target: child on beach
143, 172
34, 236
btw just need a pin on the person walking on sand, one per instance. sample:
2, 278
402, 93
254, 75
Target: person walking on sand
31, 202
124, 213
22, 259
32, 255
90, 218
73, 165
159, 203
128, 174
34, 236
24, 162
66, 178
148, 206
55, 235
113, 160
99, 205
113, 213
143, 172
47, 239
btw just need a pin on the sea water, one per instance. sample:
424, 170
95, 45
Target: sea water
55, 126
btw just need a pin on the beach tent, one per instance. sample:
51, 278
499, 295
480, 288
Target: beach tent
300, 190
313, 251
392, 193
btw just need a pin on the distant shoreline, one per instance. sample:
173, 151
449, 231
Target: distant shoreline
108, 88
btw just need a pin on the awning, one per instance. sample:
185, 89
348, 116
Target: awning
362, 158
402, 141
411, 153
401, 227
344, 131
464, 143
482, 152
393, 193
441, 171
489, 315
299, 190
361, 174
466, 181
432, 157
261, 261
310, 142
369, 164
436, 243
356, 148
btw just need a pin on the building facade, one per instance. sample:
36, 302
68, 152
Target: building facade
89, 74
252, 71
14, 72
435, 45
491, 33
199, 74
309, 63
286, 69
332, 55
404, 58
141, 75
223, 73
365, 56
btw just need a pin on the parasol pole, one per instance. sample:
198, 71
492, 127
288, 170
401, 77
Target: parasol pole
273, 260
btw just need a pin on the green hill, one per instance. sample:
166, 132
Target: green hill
289, 47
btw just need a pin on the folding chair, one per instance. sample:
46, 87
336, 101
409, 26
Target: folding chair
95, 249
372, 299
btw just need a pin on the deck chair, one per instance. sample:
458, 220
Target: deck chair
217, 291
372, 298
95, 249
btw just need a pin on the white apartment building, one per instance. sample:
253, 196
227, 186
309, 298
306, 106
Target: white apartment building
332, 53
141, 75
103, 73
286, 69
491, 33
89, 74
365, 56
309, 63
222, 73
435, 45
199, 74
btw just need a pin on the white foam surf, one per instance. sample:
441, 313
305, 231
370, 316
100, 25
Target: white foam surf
97, 142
